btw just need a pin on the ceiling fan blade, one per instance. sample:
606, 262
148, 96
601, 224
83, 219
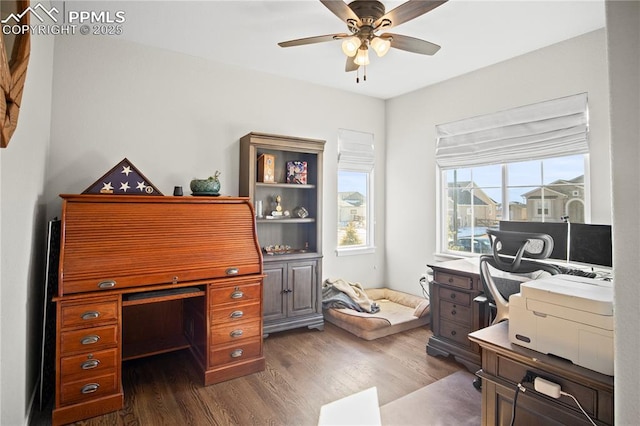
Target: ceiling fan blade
351, 65
406, 12
311, 40
342, 11
411, 44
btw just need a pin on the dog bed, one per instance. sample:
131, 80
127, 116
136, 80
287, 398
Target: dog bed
398, 312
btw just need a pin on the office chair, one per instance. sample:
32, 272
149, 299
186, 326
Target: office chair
515, 253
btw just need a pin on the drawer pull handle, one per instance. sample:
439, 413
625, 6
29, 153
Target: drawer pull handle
453, 312
236, 314
236, 333
107, 284
450, 280
90, 388
237, 294
90, 315
90, 340
453, 295
236, 353
89, 364
232, 271
453, 332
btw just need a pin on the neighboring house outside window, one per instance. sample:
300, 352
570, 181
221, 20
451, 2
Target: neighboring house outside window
355, 192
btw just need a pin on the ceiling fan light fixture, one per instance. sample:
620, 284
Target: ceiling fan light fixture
350, 46
381, 46
362, 58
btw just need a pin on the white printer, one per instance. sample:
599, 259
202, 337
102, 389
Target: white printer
567, 316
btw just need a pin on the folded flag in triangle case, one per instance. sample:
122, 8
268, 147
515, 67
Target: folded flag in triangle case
123, 179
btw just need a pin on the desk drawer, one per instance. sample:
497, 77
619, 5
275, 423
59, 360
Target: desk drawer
91, 364
453, 280
458, 297
235, 313
223, 334
88, 339
241, 293
454, 312
91, 388
240, 351
456, 332
87, 314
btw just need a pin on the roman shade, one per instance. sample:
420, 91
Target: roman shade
554, 128
355, 150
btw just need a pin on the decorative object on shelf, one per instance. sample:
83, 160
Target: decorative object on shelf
278, 249
177, 191
15, 49
259, 209
266, 168
297, 172
123, 179
210, 186
278, 211
300, 212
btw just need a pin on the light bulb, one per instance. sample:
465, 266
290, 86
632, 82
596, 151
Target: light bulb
362, 58
380, 45
350, 46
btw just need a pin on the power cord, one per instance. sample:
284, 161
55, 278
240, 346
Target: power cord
579, 406
424, 284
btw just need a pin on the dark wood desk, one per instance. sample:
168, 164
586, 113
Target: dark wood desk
454, 313
504, 365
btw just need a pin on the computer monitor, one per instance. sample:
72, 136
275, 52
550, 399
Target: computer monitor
557, 231
590, 244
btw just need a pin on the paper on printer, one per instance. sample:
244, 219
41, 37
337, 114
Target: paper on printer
567, 316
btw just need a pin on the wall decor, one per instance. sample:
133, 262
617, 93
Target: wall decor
14, 60
123, 179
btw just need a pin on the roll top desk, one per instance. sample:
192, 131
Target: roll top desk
144, 275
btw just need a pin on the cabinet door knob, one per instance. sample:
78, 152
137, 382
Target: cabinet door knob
236, 314
453, 295
453, 332
107, 284
90, 315
236, 353
90, 340
236, 333
450, 280
90, 388
89, 364
453, 312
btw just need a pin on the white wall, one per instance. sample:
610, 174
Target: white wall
623, 23
22, 233
574, 66
176, 117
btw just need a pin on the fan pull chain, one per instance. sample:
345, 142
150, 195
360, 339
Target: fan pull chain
364, 74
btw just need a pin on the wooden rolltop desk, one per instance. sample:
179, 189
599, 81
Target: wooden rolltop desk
143, 275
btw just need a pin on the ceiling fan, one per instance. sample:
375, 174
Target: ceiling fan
364, 18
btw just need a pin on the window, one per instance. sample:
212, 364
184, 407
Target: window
549, 190
524, 164
355, 192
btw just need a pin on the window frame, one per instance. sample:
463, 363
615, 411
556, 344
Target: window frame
369, 247
442, 204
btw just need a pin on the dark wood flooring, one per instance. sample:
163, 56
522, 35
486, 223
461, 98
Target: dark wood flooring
305, 369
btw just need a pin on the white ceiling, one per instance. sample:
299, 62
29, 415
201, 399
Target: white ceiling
473, 34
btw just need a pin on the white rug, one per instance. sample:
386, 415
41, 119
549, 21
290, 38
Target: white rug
451, 400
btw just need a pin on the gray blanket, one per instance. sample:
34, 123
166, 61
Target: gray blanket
334, 298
